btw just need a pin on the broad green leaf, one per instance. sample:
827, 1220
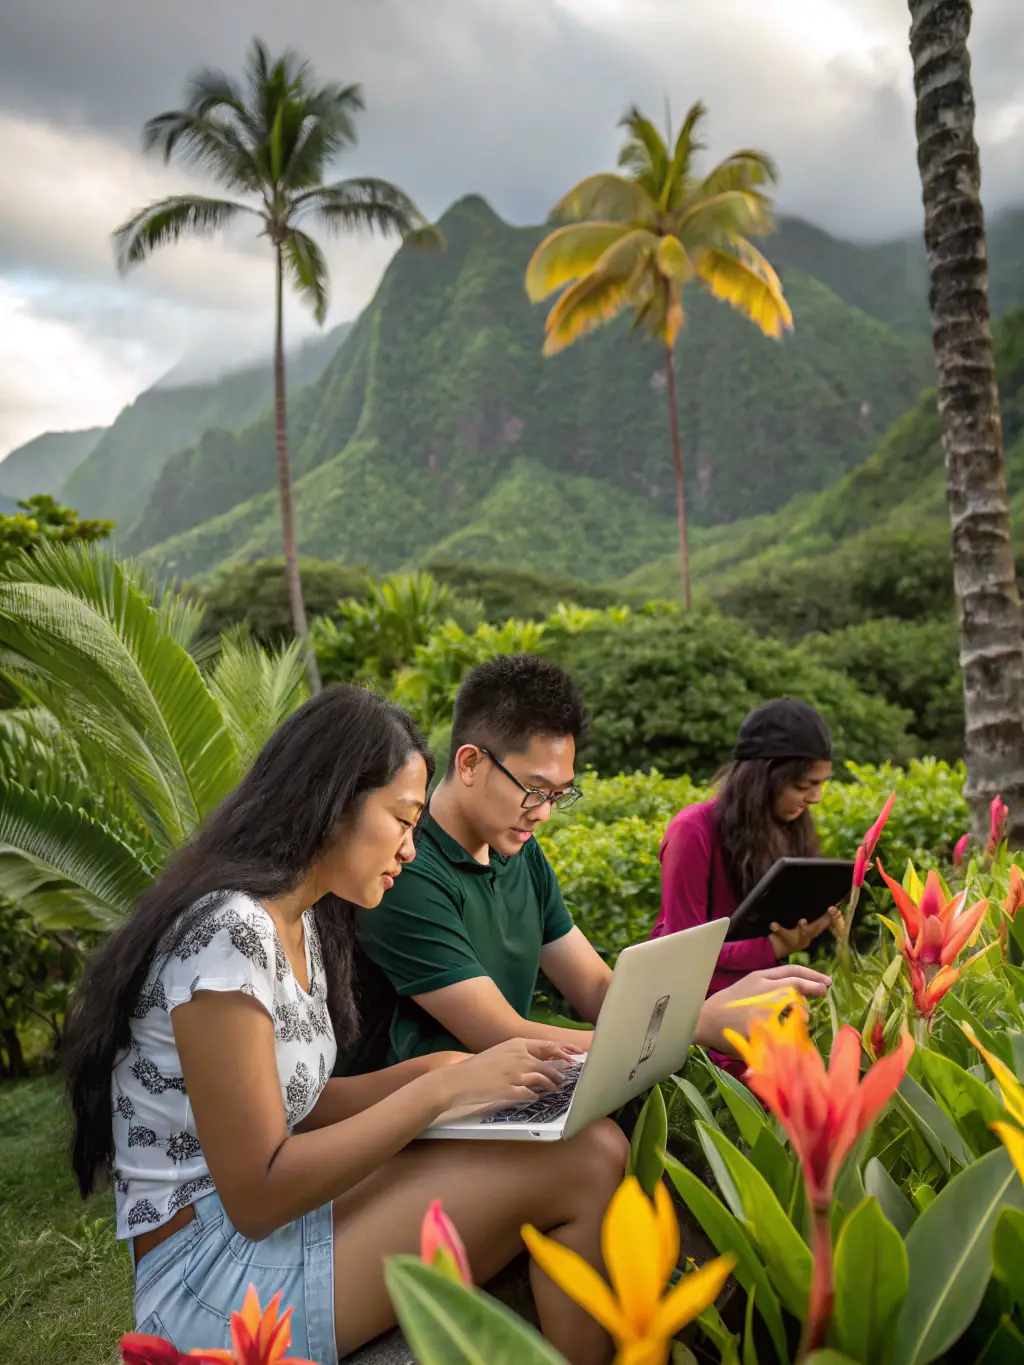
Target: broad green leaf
850, 1189
916, 1104
968, 1102
830, 1357
871, 1273
1004, 1347
727, 1234
749, 1345
775, 1164
747, 1113
726, 1342
646, 1150
786, 1254
1017, 1053
451, 1324
1008, 1252
950, 1257
994, 1042
923, 1196
696, 1101
720, 1170
894, 1203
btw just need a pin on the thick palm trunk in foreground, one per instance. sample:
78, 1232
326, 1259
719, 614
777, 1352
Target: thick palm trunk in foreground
988, 604
284, 488
677, 460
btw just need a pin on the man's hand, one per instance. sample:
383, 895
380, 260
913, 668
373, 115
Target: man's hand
795, 940
721, 1011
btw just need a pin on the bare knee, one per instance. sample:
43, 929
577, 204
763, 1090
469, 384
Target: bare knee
597, 1157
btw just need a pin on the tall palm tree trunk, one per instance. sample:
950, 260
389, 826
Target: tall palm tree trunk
677, 459
284, 489
988, 604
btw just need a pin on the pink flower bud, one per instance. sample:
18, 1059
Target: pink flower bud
874, 833
998, 813
441, 1245
960, 850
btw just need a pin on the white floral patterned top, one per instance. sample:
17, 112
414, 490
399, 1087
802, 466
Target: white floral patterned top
158, 1163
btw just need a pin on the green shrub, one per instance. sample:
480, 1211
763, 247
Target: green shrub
256, 595
505, 593
671, 692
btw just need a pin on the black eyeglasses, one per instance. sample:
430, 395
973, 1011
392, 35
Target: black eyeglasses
533, 797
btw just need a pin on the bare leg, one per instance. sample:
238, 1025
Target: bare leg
489, 1190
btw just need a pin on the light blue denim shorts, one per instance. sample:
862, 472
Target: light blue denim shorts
187, 1287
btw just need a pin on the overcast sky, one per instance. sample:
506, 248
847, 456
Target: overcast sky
513, 99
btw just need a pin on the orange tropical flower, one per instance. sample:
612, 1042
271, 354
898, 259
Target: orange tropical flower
823, 1113
640, 1242
862, 863
441, 1246
257, 1338
936, 928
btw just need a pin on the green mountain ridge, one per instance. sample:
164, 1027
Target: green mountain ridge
117, 477
44, 464
429, 430
899, 493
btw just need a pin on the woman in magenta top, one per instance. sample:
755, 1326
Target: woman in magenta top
715, 853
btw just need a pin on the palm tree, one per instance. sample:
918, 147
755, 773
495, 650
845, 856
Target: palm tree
647, 233
271, 139
984, 581
122, 744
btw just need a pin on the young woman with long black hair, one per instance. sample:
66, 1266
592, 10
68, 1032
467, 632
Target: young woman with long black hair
199, 1054
713, 854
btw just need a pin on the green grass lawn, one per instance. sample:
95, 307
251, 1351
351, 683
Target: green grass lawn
65, 1282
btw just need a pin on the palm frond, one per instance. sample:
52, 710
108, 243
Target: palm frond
608, 198
167, 221
328, 128
744, 170
723, 217
122, 687
205, 143
687, 146
59, 845
567, 254
211, 91
307, 270
361, 205
256, 690
749, 284
614, 283
644, 153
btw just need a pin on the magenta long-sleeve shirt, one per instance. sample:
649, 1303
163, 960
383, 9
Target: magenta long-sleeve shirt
695, 888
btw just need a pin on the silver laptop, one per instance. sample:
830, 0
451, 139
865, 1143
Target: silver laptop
642, 1036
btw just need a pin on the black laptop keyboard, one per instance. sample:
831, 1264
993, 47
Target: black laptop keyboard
543, 1109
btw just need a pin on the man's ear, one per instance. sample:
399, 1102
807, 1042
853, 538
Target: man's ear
467, 764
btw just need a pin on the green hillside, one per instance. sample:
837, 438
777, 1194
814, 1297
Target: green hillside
439, 428
895, 500
117, 477
44, 464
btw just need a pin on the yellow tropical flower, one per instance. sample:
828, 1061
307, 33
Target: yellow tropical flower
1011, 1135
640, 1242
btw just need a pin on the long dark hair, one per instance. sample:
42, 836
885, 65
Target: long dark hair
751, 835
310, 776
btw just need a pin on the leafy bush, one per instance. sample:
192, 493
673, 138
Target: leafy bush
43, 520
671, 693
504, 592
256, 595
37, 972
912, 665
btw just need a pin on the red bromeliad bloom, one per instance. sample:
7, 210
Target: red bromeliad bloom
998, 814
257, 1338
823, 1113
862, 862
139, 1349
935, 931
441, 1245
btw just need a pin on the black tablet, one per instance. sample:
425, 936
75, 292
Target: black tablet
792, 890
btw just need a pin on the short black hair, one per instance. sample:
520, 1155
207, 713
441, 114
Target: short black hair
504, 703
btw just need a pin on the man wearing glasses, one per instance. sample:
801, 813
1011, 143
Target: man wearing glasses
469, 924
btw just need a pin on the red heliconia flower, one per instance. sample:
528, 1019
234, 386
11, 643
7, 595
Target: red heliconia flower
823, 1113
960, 850
139, 1349
878, 1038
862, 862
441, 1245
998, 814
934, 933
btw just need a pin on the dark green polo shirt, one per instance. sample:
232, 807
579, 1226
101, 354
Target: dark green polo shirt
449, 918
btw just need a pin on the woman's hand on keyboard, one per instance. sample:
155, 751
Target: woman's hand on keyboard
514, 1072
